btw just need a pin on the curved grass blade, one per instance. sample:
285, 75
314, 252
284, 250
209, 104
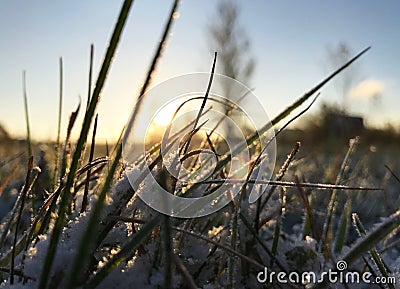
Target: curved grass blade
203, 104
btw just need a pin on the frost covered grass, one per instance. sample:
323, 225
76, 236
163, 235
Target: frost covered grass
89, 228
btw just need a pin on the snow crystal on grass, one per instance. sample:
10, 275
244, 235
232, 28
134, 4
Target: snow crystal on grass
140, 272
66, 250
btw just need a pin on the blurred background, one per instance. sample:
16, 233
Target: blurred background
280, 48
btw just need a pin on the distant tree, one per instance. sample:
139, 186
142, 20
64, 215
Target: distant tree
231, 42
228, 38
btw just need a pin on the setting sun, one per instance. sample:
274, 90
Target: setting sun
164, 115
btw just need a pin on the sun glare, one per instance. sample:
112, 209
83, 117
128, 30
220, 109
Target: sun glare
165, 114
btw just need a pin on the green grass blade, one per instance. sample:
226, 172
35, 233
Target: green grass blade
343, 228
65, 195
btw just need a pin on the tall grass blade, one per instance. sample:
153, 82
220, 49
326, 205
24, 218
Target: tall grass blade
28, 128
57, 148
65, 194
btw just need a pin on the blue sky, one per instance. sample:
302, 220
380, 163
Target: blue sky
289, 41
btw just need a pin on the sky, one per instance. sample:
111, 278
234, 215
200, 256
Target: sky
289, 42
